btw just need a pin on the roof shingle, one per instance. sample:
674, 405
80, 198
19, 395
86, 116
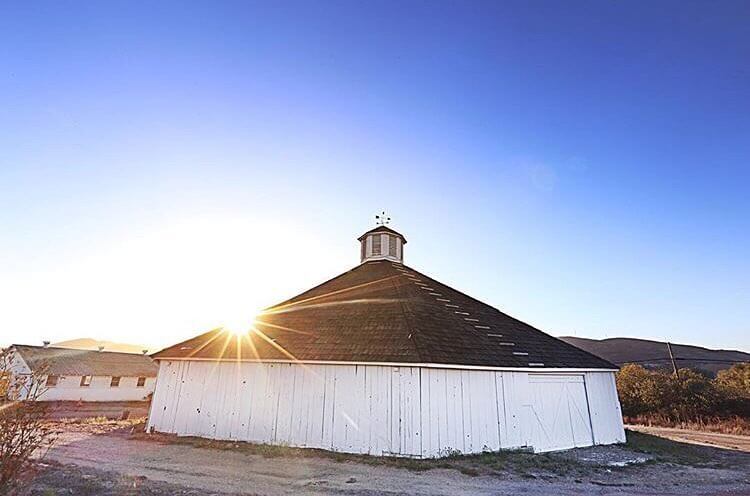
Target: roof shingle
386, 312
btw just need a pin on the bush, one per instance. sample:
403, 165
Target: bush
24, 430
692, 397
736, 378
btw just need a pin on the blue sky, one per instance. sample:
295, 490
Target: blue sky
583, 166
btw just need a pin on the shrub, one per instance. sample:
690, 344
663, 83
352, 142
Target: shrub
640, 390
692, 397
734, 388
24, 430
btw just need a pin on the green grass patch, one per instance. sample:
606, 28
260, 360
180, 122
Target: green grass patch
524, 462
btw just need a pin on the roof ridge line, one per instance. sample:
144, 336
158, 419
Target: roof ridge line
50, 347
511, 317
402, 305
451, 314
185, 341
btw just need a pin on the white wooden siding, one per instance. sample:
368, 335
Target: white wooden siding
373, 409
387, 242
69, 389
604, 405
559, 412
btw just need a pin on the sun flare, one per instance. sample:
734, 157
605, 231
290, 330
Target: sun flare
236, 331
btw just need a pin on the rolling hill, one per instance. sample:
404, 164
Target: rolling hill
93, 344
654, 354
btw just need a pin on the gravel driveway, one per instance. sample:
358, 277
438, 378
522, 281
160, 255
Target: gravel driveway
201, 470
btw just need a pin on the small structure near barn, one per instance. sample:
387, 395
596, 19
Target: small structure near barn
384, 360
82, 375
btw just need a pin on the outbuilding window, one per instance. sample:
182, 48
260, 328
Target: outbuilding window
85, 381
141, 382
115, 382
392, 246
52, 380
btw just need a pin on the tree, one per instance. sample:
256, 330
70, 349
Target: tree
24, 427
736, 379
734, 387
641, 391
690, 396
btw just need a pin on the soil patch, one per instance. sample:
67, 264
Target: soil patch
645, 465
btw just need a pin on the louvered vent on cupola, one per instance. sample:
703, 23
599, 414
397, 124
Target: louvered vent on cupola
382, 243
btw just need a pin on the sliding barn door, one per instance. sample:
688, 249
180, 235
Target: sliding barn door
559, 412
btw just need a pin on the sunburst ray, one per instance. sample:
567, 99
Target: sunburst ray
274, 344
208, 341
333, 304
276, 309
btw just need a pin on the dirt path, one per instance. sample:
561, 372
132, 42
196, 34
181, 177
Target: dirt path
728, 441
209, 470
230, 472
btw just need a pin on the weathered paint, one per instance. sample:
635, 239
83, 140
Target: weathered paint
559, 412
378, 410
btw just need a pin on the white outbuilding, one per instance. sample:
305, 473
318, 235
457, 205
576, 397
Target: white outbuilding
384, 360
83, 375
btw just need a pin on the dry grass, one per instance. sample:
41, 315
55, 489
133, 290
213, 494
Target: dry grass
731, 425
519, 463
95, 425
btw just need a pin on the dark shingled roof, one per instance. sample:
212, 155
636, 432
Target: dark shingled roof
383, 311
66, 361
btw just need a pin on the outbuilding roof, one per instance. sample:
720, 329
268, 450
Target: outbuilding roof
386, 312
66, 361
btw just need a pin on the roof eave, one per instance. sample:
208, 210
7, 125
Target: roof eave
394, 364
383, 229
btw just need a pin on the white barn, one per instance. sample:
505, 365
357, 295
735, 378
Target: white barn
83, 375
384, 360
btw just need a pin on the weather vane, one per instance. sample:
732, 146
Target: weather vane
382, 219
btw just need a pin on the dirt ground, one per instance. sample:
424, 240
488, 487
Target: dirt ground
728, 441
116, 458
90, 409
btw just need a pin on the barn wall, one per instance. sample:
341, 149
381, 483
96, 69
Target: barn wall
16, 377
606, 416
372, 409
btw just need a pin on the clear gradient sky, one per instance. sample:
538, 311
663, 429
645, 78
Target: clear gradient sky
166, 167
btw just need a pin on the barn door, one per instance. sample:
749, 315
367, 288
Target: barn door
559, 412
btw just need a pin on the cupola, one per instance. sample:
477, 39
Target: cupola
382, 243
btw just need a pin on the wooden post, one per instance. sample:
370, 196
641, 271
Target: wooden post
674, 363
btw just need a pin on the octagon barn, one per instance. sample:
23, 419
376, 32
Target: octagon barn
384, 360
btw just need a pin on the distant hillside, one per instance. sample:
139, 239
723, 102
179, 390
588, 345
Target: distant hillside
654, 354
93, 344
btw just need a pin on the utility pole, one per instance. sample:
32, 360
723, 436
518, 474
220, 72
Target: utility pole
674, 363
